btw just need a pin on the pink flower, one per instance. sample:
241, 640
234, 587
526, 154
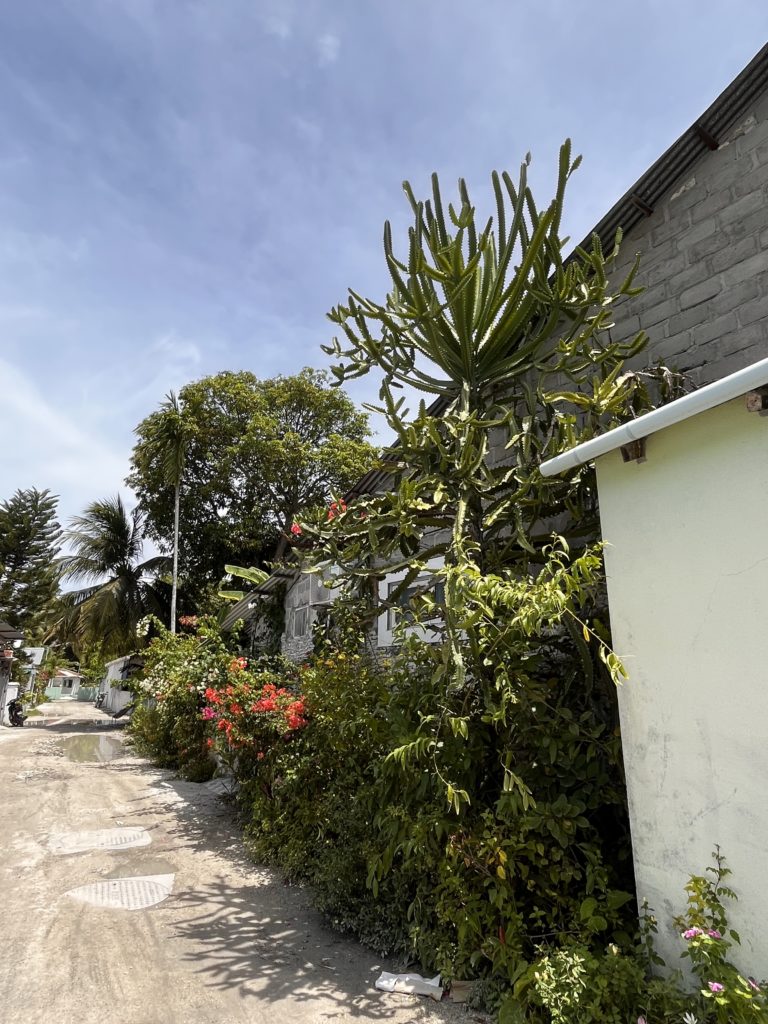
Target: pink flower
753, 985
715, 986
713, 933
692, 933
296, 530
208, 714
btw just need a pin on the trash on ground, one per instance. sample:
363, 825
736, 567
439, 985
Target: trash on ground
413, 984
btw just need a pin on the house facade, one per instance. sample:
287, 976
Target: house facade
685, 565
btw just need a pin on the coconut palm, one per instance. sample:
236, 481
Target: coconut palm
168, 437
107, 543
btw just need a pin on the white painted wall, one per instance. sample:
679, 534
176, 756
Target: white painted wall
687, 566
115, 699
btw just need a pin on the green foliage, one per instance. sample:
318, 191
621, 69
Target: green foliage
256, 453
29, 545
578, 987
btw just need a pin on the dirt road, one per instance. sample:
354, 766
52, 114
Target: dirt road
211, 939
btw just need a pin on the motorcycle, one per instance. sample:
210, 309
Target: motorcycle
15, 713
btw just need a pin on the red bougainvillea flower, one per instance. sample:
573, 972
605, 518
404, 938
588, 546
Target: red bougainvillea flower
296, 530
235, 709
336, 508
209, 743
211, 696
221, 724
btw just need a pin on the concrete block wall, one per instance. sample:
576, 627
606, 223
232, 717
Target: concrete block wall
704, 261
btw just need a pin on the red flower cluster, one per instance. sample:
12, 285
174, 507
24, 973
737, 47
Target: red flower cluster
337, 507
249, 714
279, 699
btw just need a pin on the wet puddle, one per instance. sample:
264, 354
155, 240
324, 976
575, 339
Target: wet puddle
142, 866
91, 748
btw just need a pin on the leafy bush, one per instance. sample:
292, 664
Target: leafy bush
577, 987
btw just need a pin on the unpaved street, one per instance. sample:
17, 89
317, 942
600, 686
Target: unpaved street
229, 944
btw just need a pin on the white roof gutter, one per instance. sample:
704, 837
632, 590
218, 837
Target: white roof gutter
733, 386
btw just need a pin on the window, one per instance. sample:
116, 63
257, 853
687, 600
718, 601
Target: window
388, 619
403, 604
300, 623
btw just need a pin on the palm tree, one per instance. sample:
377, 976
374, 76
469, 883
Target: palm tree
121, 589
169, 436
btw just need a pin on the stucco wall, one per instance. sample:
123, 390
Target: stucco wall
686, 562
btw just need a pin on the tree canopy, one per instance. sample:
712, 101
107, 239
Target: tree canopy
258, 453
29, 544
121, 588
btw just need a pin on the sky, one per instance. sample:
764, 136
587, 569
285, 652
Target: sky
188, 186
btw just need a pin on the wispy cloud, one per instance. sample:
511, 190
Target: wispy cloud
177, 350
45, 445
278, 25
328, 46
307, 129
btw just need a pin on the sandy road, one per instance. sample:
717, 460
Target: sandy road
230, 944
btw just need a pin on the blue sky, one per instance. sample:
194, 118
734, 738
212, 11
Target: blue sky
188, 186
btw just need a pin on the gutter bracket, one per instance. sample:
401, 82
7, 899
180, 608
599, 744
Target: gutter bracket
757, 400
634, 451
706, 137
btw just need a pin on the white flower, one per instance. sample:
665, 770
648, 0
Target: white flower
689, 1018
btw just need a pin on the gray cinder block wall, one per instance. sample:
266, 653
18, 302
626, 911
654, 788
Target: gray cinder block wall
704, 261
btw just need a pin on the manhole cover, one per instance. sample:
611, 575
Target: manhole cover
125, 893
100, 839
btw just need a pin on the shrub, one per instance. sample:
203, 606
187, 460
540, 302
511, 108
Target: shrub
166, 725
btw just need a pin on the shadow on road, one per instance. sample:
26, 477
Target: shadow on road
260, 936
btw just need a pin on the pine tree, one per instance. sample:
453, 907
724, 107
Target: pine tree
29, 547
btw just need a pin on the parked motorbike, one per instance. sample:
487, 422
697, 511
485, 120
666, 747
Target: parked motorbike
100, 699
16, 714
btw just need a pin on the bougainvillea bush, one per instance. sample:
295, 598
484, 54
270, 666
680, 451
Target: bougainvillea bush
250, 714
167, 725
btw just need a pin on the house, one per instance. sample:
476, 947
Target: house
686, 556
65, 683
116, 697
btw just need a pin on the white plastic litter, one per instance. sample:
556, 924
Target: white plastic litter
410, 983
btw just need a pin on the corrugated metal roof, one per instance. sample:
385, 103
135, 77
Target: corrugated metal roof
705, 134
243, 608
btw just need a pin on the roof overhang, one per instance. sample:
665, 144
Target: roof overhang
724, 390
9, 633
